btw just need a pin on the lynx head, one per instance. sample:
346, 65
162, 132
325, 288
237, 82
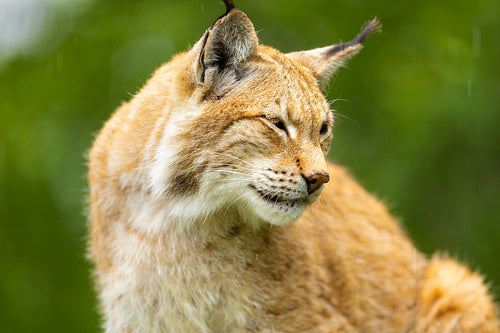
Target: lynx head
248, 126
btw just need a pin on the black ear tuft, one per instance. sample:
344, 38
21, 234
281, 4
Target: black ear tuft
372, 26
229, 5
324, 61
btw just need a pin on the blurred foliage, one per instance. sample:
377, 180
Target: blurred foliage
417, 124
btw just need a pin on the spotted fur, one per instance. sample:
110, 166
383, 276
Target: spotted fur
202, 214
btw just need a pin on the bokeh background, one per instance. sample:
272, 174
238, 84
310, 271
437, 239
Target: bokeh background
418, 123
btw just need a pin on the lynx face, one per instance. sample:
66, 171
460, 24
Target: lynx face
250, 128
261, 151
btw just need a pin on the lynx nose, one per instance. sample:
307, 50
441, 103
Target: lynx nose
315, 181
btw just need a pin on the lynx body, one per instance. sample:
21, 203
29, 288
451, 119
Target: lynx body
204, 215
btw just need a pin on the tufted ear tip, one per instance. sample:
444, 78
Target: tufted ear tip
373, 26
324, 61
229, 5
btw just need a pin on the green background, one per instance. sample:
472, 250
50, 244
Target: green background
418, 117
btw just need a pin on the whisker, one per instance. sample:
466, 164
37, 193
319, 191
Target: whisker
341, 115
234, 157
338, 100
253, 167
233, 202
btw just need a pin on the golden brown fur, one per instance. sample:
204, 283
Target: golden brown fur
198, 188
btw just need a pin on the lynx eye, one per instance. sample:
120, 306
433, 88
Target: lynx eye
324, 129
279, 124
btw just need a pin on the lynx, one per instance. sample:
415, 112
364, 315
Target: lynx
205, 214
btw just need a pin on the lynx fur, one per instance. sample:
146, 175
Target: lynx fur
205, 214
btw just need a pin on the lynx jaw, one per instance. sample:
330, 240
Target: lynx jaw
277, 199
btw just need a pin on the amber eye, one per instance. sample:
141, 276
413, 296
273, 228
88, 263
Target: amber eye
324, 129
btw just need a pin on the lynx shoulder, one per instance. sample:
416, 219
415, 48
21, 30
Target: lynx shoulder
204, 211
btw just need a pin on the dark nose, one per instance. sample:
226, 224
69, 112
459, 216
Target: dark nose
315, 181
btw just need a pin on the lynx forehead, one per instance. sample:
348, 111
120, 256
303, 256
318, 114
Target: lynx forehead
204, 215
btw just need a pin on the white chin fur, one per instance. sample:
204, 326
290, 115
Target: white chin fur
215, 195
282, 215
255, 210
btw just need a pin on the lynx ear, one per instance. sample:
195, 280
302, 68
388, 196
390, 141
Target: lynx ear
324, 61
229, 42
